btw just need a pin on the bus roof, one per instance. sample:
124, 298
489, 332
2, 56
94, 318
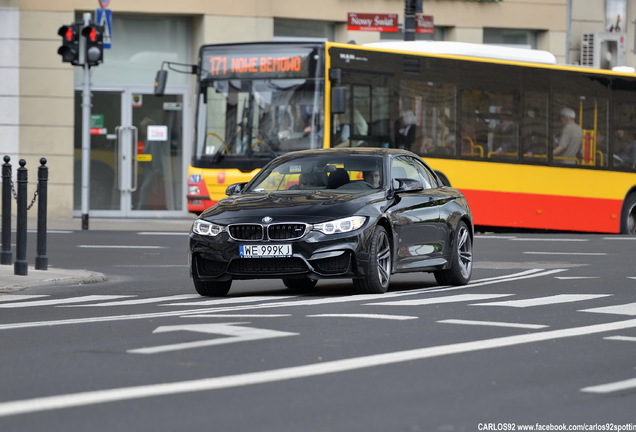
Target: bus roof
469, 50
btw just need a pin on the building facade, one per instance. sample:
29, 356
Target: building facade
41, 97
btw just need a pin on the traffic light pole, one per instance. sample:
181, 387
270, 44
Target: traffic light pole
86, 137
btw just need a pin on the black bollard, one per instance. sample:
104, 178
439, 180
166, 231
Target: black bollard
6, 257
41, 260
21, 266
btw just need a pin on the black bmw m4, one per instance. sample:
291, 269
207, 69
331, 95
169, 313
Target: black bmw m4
362, 214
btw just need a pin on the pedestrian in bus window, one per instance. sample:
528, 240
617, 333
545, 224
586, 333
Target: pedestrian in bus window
506, 138
625, 156
405, 135
571, 137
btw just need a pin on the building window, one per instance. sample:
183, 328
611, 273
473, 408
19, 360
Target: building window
303, 29
511, 37
615, 14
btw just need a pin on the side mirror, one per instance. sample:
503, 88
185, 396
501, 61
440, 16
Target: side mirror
338, 100
160, 82
407, 185
235, 188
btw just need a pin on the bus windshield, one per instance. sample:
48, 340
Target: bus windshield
256, 102
258, 119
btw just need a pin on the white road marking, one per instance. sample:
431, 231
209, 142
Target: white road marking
438, 300
560, 240
493, 324
517, 276
229, 300
624, 309
567, 253
621, 338
373, 316
120, 247
234, 333
140, 301
18, 297
74, 400
611, 387
164, 233
62, 301
543, 301
211, 315
620, 238
576, 277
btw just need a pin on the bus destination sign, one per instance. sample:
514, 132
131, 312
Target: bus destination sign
281, 65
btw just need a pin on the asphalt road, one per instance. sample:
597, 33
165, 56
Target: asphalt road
545, 335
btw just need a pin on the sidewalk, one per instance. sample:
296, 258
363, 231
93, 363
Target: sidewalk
9, 282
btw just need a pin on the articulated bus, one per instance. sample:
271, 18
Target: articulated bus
489, 121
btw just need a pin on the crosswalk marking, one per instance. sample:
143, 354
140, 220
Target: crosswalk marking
230, 300
61, 301
493, 324
437, 300
624, 309
543, 301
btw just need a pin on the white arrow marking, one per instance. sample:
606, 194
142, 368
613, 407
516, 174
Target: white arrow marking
233, 332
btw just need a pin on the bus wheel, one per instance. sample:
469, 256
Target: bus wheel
461, 260
628, 218
212, 289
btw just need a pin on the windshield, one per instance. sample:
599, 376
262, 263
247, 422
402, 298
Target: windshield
259, 119
336, 173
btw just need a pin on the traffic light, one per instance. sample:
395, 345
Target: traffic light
94, 48
70, 43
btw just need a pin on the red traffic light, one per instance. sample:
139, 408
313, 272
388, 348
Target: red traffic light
70, 43
70, 35
92, 34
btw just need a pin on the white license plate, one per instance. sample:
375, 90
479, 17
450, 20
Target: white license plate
265, 251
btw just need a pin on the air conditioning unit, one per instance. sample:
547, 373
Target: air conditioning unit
603, 50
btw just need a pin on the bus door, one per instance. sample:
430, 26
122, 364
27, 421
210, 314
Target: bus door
137, 164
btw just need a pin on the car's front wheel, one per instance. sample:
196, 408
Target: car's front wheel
212, 289
461, 260
378, 271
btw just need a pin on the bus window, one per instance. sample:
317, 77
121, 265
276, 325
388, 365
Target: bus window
534, 136
623, 131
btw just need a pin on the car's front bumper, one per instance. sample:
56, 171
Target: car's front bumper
314, 256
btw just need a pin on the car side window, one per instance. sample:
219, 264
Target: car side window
401, 168
427, 178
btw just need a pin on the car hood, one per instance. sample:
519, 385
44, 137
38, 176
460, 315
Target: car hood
312, 207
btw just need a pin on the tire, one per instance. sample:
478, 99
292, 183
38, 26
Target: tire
461, 261
378, 271
300, 284
212, 289
628, 216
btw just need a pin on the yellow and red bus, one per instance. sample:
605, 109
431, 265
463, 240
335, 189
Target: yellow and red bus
487, 119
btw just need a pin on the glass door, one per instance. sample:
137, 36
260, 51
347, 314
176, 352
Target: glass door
137, 164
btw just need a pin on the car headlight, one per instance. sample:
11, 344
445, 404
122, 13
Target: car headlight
344, 225
206, 228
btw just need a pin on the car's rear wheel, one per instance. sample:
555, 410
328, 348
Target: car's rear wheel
461, 261
300, 284
212, 289
378, 271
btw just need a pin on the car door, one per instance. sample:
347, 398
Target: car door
421, 236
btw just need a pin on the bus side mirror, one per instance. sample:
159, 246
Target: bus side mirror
160, 82
338, 100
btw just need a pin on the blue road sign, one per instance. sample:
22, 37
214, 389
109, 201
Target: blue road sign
104, 17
